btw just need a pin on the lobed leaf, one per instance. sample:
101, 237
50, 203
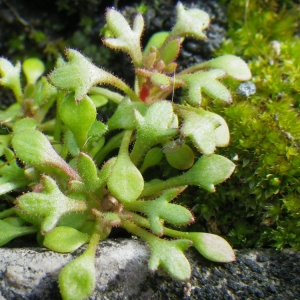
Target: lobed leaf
207, 130
160, 210
170, 256
207, 82
126, 39
50, 204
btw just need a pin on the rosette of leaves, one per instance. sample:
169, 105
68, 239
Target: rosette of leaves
86, 177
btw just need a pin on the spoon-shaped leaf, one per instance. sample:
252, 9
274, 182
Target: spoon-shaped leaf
33, 68
65, 239
211, 246
125, 181
206, 173
77, 278
33, 148
78, 116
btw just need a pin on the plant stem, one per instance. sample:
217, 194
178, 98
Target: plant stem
112, 96
7, 213
112, 144
157, 187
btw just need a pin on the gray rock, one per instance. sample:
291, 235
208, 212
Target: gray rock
31, 273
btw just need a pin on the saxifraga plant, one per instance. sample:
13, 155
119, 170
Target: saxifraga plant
74, 198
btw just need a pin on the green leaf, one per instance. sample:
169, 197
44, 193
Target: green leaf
88, 172
33, 148
4, 143
11, 77
211, 246
170, 256
170, 51
156, 40
125, 181
126, 39
207, 130
206, 173
234, 66
65, 239
50, 204
190, 23
181, 158
207, 82
160, 210
123, 117
152, 158
98, 100
78, 116
209, 171
33, 68
155, 127
11, 175
77, 279
80, 75
12, 113
9, 232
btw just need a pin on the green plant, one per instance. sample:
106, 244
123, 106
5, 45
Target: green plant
71, 198
260, 205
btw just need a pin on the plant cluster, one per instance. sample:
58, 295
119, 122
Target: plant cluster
263, 193
81, 177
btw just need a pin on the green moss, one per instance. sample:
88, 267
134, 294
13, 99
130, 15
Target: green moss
260, 204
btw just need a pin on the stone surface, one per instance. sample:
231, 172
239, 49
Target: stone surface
122, 274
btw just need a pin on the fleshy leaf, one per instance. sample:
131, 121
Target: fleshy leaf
207, 130
209, 171
50, 204
156, 40
211, 246
126, 39
152, 158
77, 278
65, 239
33, 148
155, 127
9, 232
190, 23
207, 82
88, 172
160, 210
206, 173
123, 117
125, 181
11, 175
78, 116
170, 51
182, 158
170, 256
33, 68
80, 75
234, 66
11, 77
